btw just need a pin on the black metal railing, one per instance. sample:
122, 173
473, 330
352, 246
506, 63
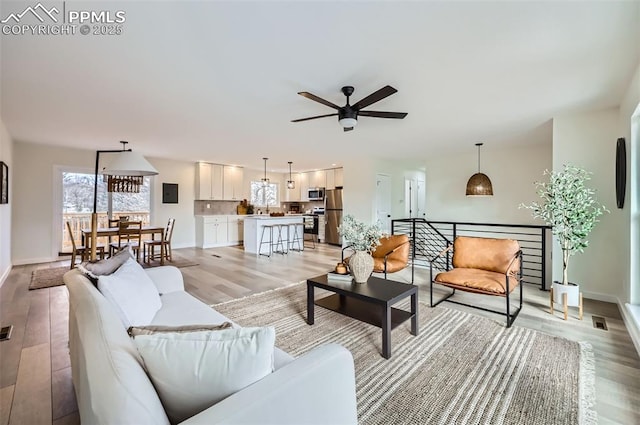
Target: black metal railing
429, 238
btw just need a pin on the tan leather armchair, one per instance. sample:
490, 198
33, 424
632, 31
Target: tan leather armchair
484, 266
392, 255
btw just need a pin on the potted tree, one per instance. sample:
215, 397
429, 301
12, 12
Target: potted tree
570, 208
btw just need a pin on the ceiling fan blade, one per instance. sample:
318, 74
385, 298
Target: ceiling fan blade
379, 114
375, 97
318, 99
313, 118
348, 128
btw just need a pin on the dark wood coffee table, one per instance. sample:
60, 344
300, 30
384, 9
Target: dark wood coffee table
367, 302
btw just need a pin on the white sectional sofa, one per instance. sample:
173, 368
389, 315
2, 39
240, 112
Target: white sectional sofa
112, 386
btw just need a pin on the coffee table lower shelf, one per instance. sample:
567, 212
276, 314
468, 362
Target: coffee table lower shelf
362, 311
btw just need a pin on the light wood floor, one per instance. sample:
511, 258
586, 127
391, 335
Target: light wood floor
35, 376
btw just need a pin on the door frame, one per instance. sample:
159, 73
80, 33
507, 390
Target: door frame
390, 197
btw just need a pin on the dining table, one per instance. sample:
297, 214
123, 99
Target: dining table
113, 231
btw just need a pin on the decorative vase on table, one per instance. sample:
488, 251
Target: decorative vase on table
361, 266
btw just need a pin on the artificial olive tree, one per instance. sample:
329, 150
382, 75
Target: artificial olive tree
570, 208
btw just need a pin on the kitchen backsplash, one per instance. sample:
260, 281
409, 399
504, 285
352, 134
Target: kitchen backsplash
223, 207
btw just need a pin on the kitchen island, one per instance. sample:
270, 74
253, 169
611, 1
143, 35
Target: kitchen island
253, 226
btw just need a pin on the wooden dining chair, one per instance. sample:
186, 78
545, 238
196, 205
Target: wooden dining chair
129, 233
81, 250
165, 243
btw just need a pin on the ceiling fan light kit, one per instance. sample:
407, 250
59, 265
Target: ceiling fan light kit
479, 184
348, 114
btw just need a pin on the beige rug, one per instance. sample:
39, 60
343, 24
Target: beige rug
47, 278
460, 369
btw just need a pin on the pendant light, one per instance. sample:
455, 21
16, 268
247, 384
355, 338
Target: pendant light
265, 180
290, 183
125, 174
479, 184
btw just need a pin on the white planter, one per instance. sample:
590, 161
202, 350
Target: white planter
572, 290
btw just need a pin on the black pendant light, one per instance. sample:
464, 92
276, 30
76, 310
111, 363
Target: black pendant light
290, 183
265, 180
479, 184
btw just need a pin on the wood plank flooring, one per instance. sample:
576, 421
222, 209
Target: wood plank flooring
35, 373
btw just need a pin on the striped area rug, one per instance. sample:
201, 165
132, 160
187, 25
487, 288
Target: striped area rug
460, 369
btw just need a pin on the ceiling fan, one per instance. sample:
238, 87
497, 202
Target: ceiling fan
348, 114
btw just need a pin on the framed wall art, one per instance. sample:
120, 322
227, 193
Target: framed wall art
4, 183
169, 193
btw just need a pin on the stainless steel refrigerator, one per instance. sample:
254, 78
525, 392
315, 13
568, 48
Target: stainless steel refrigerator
333, 216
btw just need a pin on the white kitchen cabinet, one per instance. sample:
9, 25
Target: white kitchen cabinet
338, 177
290, 195
304, 186
209, 178
331, 180
235, 230
211, 231
317, 178
233, 178
321, 228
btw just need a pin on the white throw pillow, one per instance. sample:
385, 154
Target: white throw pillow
132, 292
192, 371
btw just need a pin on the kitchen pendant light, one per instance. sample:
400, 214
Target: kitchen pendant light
479, 184
265, 180
290, 183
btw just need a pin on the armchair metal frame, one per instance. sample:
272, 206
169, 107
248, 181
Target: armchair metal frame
511, 317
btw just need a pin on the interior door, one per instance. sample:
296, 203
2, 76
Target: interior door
410, 198
383, 201
421, 210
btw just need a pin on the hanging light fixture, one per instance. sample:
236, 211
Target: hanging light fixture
479, 184
265, 180
125, 165
290, 183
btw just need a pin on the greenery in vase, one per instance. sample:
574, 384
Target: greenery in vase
569, 206
359, 235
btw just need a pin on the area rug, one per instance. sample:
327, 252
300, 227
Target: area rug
460, 369
50, 277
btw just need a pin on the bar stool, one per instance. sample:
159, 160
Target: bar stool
269, 228
279, 242
296, 238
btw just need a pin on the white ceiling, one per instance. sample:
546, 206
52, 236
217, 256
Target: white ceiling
217, 81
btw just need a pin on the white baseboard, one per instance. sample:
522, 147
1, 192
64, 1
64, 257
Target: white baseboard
34, 261
5, 274
631, 318
601, 297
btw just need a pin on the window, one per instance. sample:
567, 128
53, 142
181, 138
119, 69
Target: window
77, 204
264, 196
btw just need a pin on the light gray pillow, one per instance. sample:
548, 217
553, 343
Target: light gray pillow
107, 265
194, 370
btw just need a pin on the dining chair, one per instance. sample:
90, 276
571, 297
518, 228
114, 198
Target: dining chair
165, 243
113, 222
81, 250
129, 233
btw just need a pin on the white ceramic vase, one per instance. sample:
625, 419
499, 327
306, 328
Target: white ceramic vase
572, 290
361, 266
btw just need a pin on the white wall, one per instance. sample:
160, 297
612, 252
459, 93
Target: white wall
588, 140
184, 174
33, 215
512, 171
6, 156
631, 220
